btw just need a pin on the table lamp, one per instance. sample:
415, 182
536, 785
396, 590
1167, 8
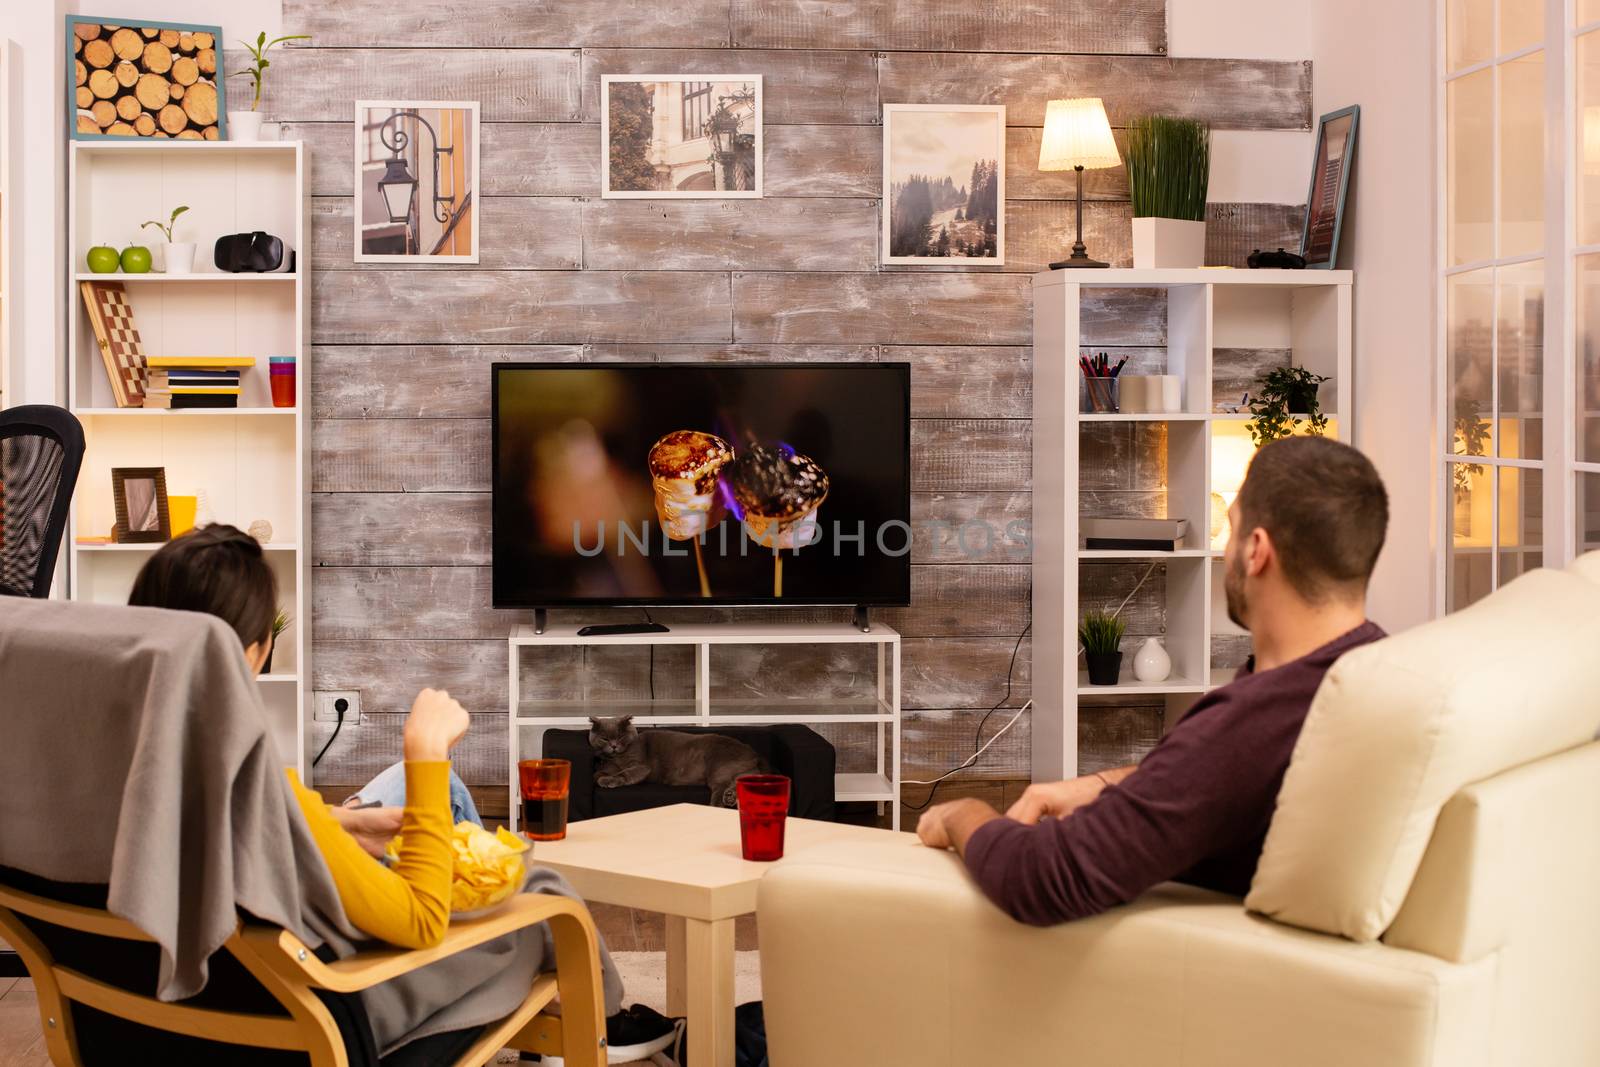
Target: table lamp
1077, 136
1231, 454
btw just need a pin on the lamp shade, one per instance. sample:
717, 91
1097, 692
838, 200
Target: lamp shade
1077, 134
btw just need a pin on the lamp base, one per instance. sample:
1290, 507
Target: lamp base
1077, 259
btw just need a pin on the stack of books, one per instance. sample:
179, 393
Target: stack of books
195, 381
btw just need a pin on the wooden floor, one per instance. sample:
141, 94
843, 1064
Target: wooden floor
21, 1043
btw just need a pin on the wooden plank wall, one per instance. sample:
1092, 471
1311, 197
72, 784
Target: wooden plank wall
401, 469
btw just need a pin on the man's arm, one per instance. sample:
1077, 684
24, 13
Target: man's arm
1061, 799
952, 824
1190, 796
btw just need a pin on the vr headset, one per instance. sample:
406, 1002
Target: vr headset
253, 253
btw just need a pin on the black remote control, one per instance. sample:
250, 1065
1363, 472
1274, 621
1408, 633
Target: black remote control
623, 628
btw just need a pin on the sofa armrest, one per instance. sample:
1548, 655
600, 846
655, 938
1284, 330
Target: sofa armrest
573, 746
906, 960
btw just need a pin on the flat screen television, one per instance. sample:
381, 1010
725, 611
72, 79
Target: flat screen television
707, 484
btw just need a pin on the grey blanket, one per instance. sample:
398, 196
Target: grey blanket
134, 753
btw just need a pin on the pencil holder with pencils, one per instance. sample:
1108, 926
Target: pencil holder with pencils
1100, 384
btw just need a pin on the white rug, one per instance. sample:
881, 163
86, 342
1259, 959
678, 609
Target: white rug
644, 977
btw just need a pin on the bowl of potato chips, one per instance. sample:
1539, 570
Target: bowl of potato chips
487, 868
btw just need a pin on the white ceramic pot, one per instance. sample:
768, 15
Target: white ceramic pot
244, 125
1151, 663
178, 257
1168, 243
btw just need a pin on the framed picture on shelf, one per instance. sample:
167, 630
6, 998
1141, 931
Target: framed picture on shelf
140, 494
138, 78
416, 181
1330, 181
680, 136
944, 183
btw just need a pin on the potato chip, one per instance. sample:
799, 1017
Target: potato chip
486, 868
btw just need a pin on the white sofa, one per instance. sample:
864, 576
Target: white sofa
1468, 837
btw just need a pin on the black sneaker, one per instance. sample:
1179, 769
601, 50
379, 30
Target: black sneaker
634, 1033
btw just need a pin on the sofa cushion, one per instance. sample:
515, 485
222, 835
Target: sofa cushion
1399, 726
1587, 565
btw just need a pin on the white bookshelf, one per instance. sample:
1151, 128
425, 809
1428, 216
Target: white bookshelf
1306, 312
252, 462
528, 719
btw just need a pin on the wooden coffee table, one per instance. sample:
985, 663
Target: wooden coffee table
684, 861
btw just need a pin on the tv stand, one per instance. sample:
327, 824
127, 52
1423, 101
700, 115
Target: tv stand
715, 694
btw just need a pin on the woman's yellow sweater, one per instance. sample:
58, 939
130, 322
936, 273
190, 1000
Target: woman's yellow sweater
408, 904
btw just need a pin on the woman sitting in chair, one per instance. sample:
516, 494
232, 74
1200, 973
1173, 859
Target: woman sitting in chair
221, 571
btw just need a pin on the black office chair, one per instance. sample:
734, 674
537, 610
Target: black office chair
41, 449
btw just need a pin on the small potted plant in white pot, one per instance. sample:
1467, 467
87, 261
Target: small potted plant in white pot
246, 125
177, 257
1169, 167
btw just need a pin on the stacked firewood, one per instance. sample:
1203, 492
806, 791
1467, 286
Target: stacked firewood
145, 81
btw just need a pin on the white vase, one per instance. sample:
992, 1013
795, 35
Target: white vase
178, 257
1168, 243
244, 125
1151, 663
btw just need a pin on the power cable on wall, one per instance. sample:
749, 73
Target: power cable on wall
978, 744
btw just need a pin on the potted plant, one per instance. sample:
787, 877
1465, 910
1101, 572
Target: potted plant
179, 255
246, 125
1283, 395
280, 623
1169, 166
1101, 636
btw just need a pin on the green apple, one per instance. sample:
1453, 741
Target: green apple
136, 259
102, 259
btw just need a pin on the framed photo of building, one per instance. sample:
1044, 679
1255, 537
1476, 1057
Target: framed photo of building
944, 183
416, 182
679, 136
1330, 180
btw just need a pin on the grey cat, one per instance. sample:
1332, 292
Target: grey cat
628, 756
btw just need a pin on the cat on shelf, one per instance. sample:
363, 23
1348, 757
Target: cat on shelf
626, 755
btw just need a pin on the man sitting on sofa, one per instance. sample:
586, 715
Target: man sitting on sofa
1307, 528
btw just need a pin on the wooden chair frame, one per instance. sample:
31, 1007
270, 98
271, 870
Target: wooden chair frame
291, 972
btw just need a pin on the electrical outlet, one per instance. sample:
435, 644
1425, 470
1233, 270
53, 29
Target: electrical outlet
326, 706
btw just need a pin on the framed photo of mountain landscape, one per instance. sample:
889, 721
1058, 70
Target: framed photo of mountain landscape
944, 183
133, 78
680, 136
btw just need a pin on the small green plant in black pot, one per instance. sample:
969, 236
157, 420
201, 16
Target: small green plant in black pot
1101, 636
1285, 394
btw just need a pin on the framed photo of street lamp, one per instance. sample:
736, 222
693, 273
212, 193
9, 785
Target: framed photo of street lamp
944, 183
680, 136
416, 182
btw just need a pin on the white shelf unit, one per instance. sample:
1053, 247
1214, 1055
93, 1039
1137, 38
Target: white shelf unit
252, 462
1306, 312
879, 708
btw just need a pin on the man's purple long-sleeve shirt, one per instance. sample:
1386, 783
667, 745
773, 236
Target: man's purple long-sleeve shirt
1195, 811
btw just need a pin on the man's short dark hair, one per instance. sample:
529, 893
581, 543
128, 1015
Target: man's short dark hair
1324, 507
219, 570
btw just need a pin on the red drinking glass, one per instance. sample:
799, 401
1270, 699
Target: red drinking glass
544, 785
281, 376
763, 808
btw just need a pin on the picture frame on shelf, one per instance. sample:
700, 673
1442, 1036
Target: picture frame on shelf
136, 78
1330, 183
944, 184
681, 137
140, 494
416, 181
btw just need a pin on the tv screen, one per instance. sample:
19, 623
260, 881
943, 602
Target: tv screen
660, 483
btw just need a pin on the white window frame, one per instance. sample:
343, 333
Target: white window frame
1558, 466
